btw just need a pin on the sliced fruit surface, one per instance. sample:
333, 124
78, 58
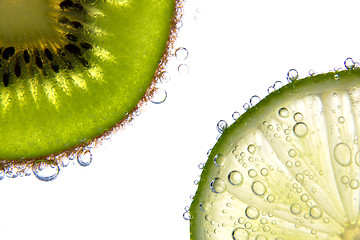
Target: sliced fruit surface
288, 168
72, 70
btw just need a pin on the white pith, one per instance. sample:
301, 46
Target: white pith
25, 23
269, 202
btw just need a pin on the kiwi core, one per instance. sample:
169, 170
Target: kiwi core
24, 21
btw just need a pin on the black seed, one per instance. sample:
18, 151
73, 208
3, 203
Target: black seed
76, 24
26, 56
55, 68
66, 4
85, 45
73, 49
79, 7
8, 52
38, 62
48, 54
71, 37
6, 77
17, 70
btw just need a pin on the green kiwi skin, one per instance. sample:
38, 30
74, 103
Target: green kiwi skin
36, 128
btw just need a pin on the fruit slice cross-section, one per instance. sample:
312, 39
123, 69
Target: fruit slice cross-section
289, 168
83, 69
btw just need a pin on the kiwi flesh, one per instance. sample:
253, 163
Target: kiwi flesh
73, 70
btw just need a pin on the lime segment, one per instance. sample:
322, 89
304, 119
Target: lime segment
288, 168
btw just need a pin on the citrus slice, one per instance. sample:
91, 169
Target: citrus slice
288, 168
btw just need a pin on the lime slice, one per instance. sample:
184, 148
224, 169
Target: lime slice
288, 168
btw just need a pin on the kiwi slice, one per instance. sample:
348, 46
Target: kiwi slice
288, 168
73, 70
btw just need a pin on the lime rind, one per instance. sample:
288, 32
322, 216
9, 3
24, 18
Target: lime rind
288, 168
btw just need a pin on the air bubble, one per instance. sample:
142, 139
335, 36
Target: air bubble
299, 177
164, 77
183, 69
254, 100
354, 183
204, 206
349, 63
2, 174
240, 234
292, 153
345, 179
159, 96
300, 129
220, 160
251, 148
252, 173
295, 209
261, 237
342, 154
218, 185
283, 112
84, 158
336, 77
264, 172
298, 117
357, 158
246, 106
235, 115
341, 119
304, 197
311, 72
292, 75
278, 85
316, 212
181, 53
235, 178
270, 198
252, 212
258, 188
45, 171
221, 126
186, 215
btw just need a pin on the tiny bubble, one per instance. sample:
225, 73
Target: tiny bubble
292, 75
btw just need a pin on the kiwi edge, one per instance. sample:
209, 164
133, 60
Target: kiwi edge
25, 166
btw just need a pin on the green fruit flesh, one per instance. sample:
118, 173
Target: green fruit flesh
289, 168
45, 109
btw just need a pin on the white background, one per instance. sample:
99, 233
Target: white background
140, 181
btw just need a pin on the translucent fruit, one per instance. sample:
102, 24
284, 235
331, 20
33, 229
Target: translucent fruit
288, 168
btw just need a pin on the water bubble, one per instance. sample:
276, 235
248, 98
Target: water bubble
300, 129
179, 24
201, 165
278, 85
235, 115
220, 160
181, 53
270, 198
221, 126
254, 100
252, 212
84, 158
264, 172
349, 63
283, 112
357, 158
292, 75
204, 206
252, 173
311, 72
316, 212
159, 96
354, 183
240, 234
292, 153
251, 148
345, 179
270, 89
295, 209
258, 188
341, 119
183, 69
304, 197
218, 185
45, 171
235, 178
186, 215
342, 154
298, 117
299, 177
246, 106
164, 77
